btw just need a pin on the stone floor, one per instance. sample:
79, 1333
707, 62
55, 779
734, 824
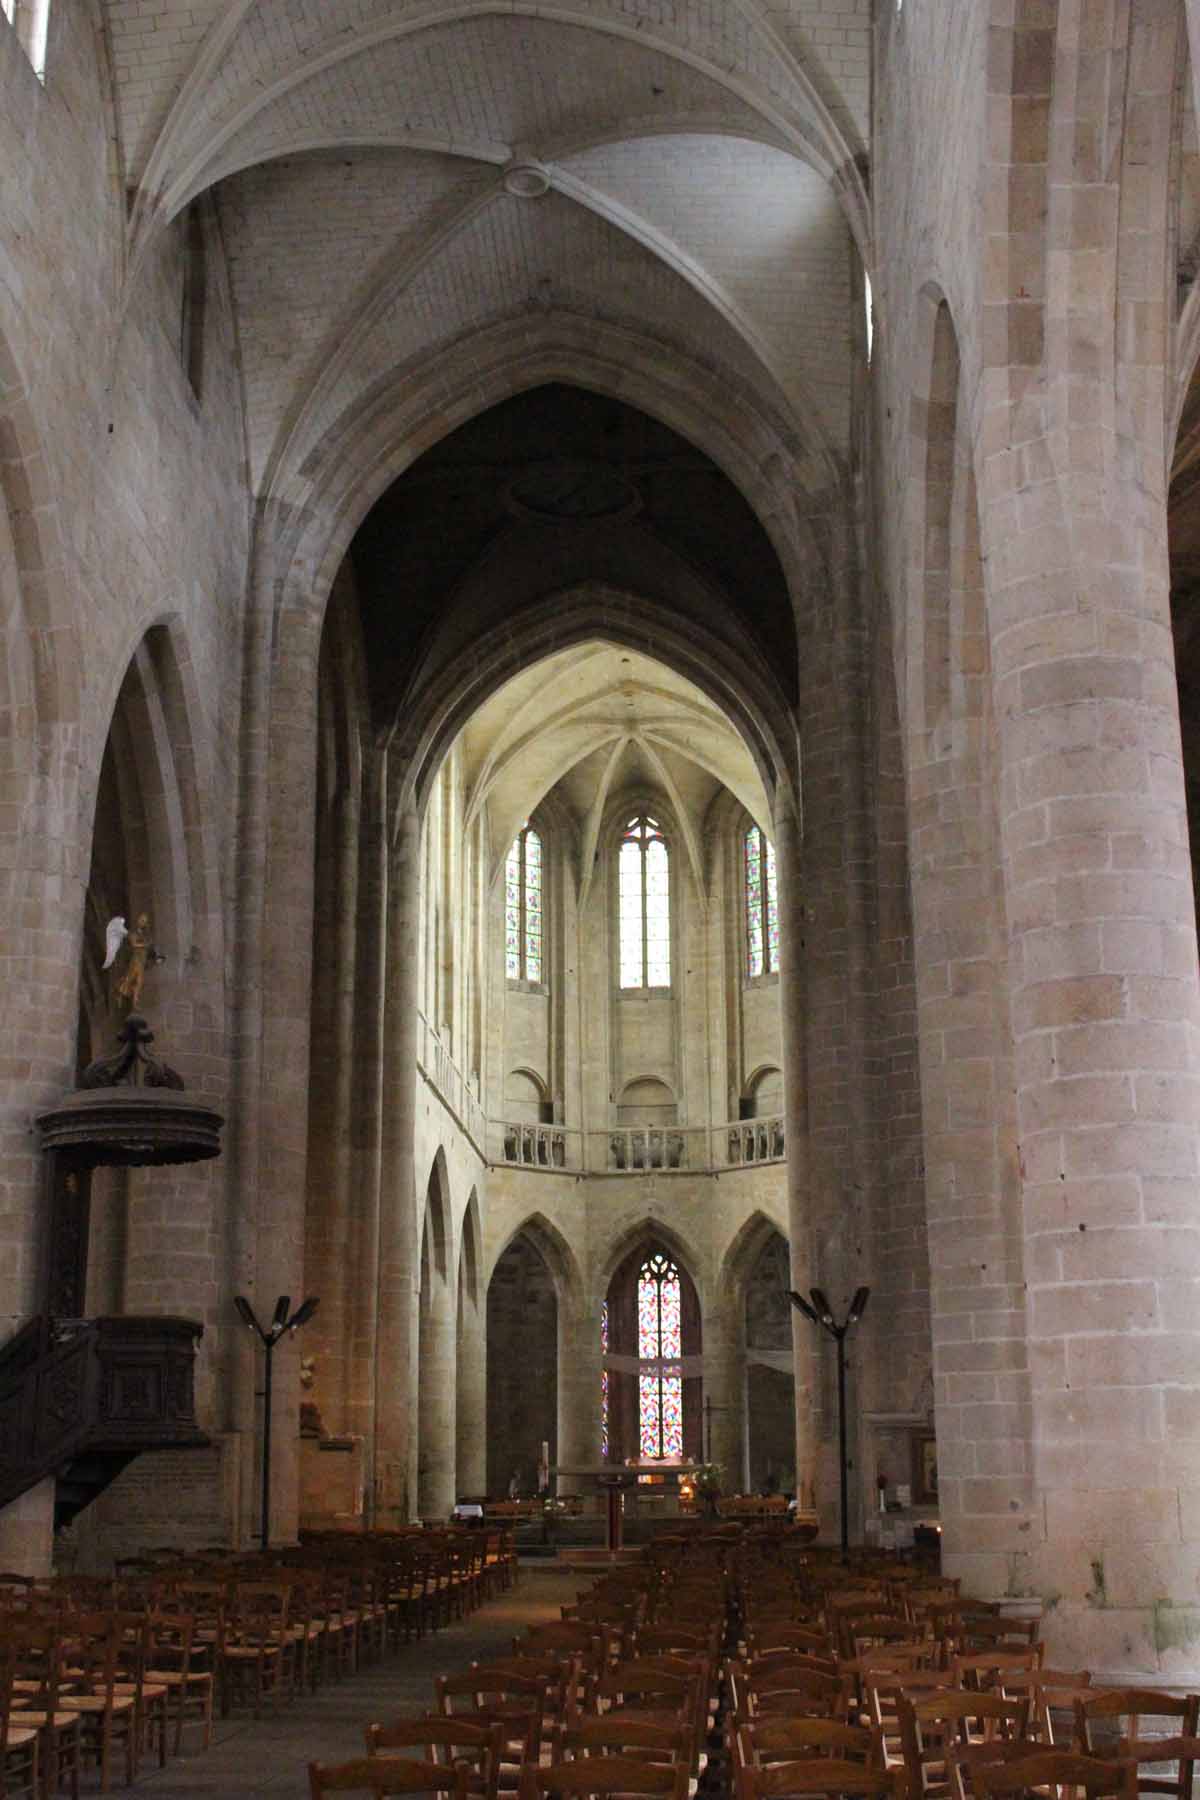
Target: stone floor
251, 1757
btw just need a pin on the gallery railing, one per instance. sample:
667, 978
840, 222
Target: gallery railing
638, 1150
443, 1074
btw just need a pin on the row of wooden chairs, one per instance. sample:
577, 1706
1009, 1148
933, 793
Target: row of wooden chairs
106, 1671
615, 1697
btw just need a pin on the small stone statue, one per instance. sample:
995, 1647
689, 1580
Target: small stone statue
311, 1423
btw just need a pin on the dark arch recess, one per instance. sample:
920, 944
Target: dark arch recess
563, 485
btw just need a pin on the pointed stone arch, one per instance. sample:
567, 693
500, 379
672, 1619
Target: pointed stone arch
744, 1250
437, 1219
555, 1252
640, 1234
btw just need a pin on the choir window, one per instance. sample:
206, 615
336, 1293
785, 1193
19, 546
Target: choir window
523, 915
762, 904
644, 904
660, 1345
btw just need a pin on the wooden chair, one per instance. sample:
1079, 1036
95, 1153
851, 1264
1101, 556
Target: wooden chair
882, 1631
1153, 1756
763, 1742
108, 1718
19, 1743
825, 1775
516, 1702
624, 1734
38, 1683
149, 1695
177, 1662
983, 1631
883, 1690
796, 1689
256, 1654
607, 1775
454, 1743
1054, 1769
560, 1674
1180, 1713
386, 1775
784, 1638
1053, 1694
940, 1729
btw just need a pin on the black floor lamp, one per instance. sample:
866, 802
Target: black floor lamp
821, 1314
270, 1337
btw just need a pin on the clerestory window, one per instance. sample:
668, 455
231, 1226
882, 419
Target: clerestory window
32, 20
644, 905
523, 908
761, 901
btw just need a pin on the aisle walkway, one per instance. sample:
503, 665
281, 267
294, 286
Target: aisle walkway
251, 1757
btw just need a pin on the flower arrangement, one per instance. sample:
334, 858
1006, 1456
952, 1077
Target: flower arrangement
706, 1478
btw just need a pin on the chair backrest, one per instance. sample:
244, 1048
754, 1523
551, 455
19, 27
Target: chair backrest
769, 1639
518, 1700
386, 1775
772, 1740
1133, 1704
1056, 1769
624, 1734
446, 1741
1180, 1751
935, 1727
604, 1775
828, 1775
993, 1670
95, 1644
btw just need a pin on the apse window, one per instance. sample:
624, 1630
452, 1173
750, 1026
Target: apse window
660, 1346
523, 909
762, 904
32, 21
644, 903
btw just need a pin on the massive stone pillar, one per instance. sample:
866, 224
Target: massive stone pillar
436, 1394
724, 1362
364, 1126
470, 1418
1105, 995
579, 1367
793, 1018
397, 1347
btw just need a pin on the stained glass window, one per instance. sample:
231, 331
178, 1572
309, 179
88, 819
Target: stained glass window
660, 1340
762, 904
644, 905
604, 1382
523, 908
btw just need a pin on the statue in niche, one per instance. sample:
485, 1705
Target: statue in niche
311, 1423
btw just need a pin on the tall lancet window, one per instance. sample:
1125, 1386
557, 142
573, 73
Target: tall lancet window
645, 905
762, 905
660, 1343
523, 908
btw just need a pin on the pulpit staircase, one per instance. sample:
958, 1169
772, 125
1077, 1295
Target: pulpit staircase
80, 1398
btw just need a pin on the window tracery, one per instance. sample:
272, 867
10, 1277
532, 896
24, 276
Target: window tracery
660, 1339
644, 905
761, 899
523, 907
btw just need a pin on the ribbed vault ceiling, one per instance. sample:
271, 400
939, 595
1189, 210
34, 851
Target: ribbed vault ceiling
595, 725
703, 167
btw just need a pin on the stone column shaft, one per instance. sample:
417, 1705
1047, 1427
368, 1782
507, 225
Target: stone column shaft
397, 1348
789, 877
471, 1409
